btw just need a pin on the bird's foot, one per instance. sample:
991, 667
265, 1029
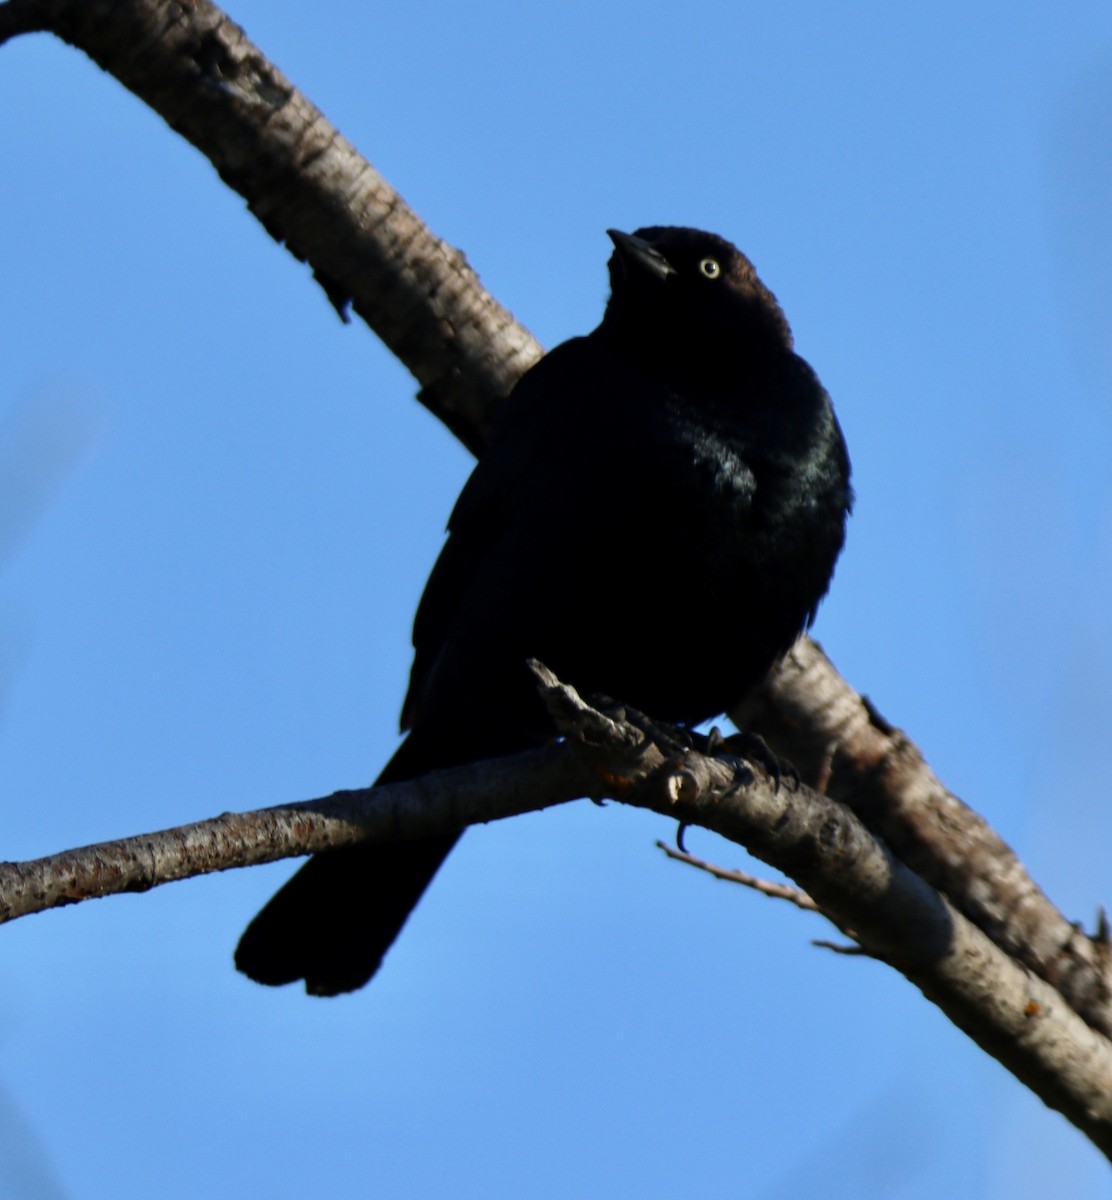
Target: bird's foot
753, 748
671, 739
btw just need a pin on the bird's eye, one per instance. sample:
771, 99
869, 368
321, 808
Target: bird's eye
710, 268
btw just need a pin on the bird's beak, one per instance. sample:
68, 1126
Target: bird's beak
638, 257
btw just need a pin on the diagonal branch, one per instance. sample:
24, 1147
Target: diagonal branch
314, 193
852, 875
310, 188
811, 715
895, 915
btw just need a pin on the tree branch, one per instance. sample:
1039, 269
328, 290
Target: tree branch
808, 713
437, 803
313, 192
852, 876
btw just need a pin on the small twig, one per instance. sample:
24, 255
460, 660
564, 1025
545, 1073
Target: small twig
766, 887
841, 948
778, 891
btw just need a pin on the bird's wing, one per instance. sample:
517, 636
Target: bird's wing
542, 440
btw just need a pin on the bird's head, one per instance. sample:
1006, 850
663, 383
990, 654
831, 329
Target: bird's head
682, 292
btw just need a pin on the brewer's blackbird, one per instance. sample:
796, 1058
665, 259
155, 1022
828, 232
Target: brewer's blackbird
656, 518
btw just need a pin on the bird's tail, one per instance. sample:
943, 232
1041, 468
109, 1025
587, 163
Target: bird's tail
334, 920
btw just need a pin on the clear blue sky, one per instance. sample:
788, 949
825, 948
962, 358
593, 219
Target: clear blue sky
218, 507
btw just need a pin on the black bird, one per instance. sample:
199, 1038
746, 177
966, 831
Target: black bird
656, 518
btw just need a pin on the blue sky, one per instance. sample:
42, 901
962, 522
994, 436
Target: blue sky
218, 507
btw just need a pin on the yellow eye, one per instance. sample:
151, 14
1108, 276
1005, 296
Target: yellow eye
710, 268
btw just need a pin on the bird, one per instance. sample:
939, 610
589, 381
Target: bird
656, 517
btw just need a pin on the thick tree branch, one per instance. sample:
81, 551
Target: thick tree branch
836, 738
852, 876
315, 194
310, 188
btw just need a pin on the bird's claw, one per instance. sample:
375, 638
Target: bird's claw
753, 748
672, 739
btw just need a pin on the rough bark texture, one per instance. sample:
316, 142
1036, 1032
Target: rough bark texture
839, 742
853, 877
894, 914
318, 196
312, 191
447, 800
